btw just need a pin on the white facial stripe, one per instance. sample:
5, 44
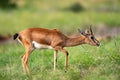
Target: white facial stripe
41, 46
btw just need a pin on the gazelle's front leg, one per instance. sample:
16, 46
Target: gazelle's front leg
66, 56
55, 59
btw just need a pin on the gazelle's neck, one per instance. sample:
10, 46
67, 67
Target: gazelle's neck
75, 41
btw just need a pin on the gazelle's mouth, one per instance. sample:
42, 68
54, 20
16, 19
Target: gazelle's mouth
97, 44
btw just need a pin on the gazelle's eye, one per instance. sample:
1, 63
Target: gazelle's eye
92, 37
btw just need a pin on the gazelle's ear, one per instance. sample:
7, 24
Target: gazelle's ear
87, 32
81, 32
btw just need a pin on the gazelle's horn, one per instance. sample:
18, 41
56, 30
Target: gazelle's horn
91, 30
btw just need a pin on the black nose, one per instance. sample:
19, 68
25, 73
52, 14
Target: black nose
98, 44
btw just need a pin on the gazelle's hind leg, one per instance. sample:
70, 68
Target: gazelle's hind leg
28, 49
25, 61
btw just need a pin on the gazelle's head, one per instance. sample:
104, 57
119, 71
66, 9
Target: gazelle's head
89, 37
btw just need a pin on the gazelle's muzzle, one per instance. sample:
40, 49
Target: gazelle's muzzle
98, 44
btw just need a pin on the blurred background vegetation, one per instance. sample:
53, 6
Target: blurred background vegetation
62, 14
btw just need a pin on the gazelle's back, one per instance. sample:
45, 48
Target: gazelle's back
43, 36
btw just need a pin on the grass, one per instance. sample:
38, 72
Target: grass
85, 63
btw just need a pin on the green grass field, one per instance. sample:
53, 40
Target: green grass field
85, 63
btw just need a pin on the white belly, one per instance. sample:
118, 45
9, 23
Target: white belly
41, 46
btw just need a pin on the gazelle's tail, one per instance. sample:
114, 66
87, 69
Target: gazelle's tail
15, 36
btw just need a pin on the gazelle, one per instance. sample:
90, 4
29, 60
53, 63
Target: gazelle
42, 38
